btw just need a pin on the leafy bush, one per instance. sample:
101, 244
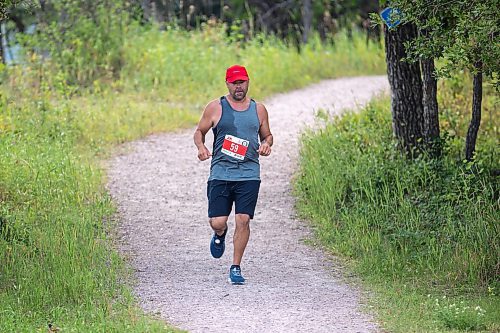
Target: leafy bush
76, 46
430, 220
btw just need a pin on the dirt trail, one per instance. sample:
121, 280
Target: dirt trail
160, 189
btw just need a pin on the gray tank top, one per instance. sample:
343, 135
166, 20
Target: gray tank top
236, 140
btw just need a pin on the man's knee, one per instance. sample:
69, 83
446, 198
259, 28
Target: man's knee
218, 223
242, 220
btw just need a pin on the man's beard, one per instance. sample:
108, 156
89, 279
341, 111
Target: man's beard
240, 93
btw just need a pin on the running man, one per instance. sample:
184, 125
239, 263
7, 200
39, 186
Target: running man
237, 122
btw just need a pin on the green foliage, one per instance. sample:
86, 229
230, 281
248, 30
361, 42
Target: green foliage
424, 217
6, 5
454, 102
56, 228
427, 223
464, 33
79, 42
162, 66
406, 308
58, 264
459, 315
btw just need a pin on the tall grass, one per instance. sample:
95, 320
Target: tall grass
428, 224
58, 262
179, 64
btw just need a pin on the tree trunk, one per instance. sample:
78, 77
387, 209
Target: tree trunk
406, 89
475, 122
2, 52
431, 109
146, 9
307, 16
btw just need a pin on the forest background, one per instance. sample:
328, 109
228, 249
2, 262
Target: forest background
79, 77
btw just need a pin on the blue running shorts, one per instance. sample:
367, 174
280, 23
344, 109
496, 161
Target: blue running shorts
222, 193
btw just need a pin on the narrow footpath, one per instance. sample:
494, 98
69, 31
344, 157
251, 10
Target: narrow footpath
159, 187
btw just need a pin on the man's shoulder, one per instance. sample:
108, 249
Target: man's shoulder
213, 105
260, 106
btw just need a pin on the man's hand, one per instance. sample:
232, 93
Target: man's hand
264, 149
204, 154
266, 138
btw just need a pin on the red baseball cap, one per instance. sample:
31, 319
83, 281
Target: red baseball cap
235, 73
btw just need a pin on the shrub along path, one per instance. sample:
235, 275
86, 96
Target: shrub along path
160, 189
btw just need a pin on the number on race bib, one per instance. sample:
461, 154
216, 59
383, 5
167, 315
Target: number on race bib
235, 147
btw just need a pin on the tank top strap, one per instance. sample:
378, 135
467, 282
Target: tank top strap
223, 103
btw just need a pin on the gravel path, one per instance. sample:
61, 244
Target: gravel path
160, 188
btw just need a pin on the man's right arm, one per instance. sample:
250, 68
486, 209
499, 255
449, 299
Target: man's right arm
204, 125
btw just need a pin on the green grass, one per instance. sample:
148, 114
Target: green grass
408, 308
58, 261
197, 68
414, 230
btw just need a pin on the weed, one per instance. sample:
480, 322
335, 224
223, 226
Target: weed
427, 223
459, 315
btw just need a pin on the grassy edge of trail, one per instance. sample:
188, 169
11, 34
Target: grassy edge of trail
422, 235
59, 263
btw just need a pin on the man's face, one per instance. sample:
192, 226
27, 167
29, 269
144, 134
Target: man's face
238, 89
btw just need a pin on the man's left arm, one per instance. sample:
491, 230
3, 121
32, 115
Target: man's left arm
266, 138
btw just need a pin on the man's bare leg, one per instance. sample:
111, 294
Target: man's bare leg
241, 236
217, 243
218, 224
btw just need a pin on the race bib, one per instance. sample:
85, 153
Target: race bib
234, 147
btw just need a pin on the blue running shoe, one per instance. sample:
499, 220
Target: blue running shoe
235, 276
217, 245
